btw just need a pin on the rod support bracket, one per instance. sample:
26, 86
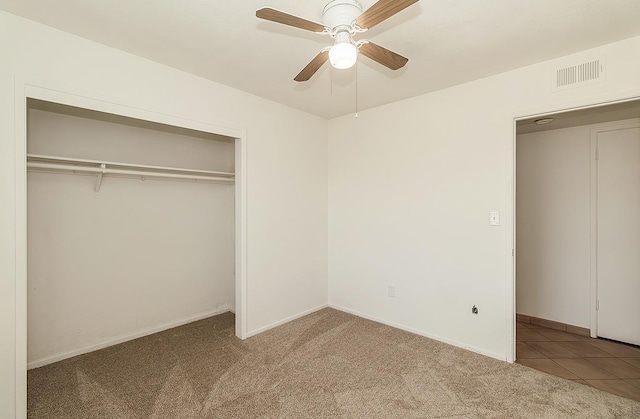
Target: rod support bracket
99, 178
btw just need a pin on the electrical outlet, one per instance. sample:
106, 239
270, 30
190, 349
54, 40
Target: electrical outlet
392, 291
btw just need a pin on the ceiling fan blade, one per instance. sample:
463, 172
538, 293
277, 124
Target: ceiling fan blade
313, 66
287, 19
380, 11
382, 55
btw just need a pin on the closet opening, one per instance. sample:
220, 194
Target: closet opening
133, 227
577, 240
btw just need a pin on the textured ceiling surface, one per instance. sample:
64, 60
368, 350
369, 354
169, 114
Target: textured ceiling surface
448, 42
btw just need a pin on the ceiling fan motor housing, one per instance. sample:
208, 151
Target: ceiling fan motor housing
340, 13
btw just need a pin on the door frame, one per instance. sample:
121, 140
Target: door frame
65, 95
514, 118
604, 127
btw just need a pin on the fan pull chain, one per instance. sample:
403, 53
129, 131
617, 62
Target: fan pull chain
331, 82
356, 89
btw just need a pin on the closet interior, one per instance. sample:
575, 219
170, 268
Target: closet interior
131, 229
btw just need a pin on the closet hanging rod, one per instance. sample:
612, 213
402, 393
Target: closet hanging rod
141, 173
40, 158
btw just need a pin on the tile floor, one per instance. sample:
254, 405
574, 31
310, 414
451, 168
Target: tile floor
609, 366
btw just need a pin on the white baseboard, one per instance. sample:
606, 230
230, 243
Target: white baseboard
127, 337
287, 320
421, 333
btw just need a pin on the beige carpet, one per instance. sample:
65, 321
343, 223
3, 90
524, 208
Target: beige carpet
325, 365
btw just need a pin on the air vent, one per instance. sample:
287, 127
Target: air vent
585, 73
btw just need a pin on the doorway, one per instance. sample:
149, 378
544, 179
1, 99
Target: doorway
561, 219
130, 224
57, 95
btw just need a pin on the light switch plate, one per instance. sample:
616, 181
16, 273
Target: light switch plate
494, 218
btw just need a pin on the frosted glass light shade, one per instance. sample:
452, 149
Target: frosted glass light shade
343, 55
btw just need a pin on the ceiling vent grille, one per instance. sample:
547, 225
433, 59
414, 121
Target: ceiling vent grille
585, 73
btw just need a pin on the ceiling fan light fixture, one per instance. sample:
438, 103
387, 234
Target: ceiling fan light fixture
343, 55
343, 20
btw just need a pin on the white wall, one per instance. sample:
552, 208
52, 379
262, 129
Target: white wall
554, 225
71, 132
287, 171
133, 258
411, 185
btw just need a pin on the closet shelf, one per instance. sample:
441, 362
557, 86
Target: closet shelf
57, 164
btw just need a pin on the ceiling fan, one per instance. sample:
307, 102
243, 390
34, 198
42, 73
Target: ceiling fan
342, 20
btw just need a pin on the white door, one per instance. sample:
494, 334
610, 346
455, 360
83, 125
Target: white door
618, 218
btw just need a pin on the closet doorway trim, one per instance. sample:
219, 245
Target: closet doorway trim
64, 95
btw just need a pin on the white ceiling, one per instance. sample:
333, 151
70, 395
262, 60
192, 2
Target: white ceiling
448, 42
